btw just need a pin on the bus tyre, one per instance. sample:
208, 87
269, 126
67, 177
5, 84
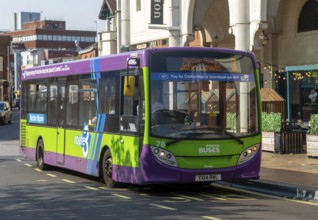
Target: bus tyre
40, 155
107, 169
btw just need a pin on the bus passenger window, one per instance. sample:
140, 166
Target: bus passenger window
87, 110
72, 104
130, 108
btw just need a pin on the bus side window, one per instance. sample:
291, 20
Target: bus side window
87, 100
72, 113
130, 106
109, 100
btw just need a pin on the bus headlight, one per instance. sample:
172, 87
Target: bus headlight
164, 156
248, 154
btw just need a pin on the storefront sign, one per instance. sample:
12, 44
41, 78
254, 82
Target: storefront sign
156, 12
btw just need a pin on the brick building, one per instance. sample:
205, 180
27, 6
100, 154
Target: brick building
46, 41
4, 73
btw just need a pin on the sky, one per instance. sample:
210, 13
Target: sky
78, 14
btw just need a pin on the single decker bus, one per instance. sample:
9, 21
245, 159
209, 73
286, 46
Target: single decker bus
155, 116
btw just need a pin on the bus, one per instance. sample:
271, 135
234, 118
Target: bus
98, 116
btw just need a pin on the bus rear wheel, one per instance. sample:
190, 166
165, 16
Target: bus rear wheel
40, 155
107, 169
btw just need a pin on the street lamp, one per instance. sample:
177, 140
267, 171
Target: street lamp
263, 38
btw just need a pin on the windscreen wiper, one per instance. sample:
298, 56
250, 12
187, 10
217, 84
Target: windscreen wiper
187, 137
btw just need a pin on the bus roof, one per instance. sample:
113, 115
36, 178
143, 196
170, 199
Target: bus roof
107, 63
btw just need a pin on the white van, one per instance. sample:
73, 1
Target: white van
5, 112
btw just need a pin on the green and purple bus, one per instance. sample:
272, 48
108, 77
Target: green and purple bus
154, 116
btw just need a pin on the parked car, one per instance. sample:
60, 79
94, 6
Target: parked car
16, 103
5, 112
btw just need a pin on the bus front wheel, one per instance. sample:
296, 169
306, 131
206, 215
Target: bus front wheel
107, 168
40, 155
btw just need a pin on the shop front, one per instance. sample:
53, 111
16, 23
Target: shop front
299, 87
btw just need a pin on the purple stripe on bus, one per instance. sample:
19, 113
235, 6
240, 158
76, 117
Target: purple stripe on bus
151, 171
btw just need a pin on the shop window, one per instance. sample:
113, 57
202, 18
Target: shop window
308, 20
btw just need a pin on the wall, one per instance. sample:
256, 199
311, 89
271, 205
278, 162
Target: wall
295, 48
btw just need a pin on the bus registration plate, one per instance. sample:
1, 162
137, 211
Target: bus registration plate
207, 177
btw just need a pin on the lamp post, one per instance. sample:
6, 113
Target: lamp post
263, 38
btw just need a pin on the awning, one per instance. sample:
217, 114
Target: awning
272, 101
302, 68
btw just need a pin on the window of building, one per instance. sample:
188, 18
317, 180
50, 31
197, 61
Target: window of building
308, 20
138, 5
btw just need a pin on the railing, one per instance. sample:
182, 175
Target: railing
290, 140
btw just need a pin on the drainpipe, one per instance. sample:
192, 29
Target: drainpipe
118, 24
125, 24
173, 18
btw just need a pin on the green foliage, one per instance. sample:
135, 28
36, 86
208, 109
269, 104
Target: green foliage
313, 124
271, 121
231, 121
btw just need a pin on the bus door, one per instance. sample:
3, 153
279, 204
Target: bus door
60, 147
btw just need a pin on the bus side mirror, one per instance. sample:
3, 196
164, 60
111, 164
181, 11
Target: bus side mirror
129, 86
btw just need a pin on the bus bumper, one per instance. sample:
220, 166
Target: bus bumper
152, 171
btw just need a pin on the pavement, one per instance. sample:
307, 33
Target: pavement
296, 169
293, 176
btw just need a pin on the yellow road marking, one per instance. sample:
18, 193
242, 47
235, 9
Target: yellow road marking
51, 175
162, 207
188, 197
91, 188
42, 180
212, 196
304, 202
121, 196
210, 217
37, 169
266, 195
68, 181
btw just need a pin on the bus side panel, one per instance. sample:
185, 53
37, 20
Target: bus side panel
84, 148
48, 135
125, 153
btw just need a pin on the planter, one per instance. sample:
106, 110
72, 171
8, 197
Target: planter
312, 145
271, 141
268, 142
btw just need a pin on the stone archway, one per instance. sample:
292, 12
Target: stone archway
209, 23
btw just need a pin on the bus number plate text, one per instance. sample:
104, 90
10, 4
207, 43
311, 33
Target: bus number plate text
207, 177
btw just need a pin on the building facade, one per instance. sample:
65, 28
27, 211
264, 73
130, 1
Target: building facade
288, 61
5, 67
46, 41
22, 17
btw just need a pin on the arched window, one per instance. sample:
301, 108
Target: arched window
308, 20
